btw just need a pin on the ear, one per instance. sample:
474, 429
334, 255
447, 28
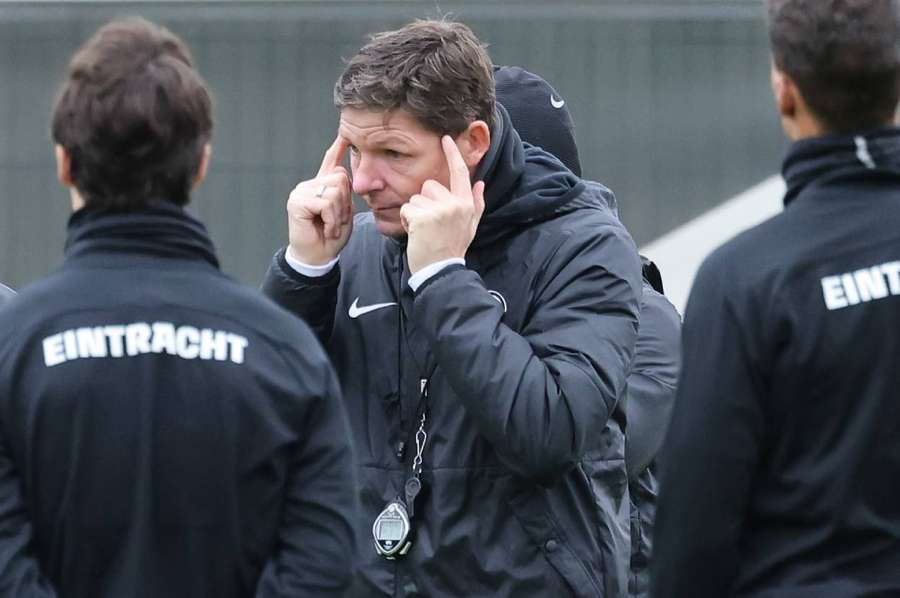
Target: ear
63, 166
204, 164
64, 174
786, 93
474, 143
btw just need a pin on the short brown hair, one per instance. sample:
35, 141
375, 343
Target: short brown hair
438, 71
844, 57
134, 117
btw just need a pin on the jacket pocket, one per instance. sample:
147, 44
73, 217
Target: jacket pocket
533, 514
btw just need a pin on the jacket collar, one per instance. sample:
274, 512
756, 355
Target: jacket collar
832, 156
161, 229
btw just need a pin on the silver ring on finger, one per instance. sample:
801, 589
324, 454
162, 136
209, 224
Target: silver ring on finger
321, 191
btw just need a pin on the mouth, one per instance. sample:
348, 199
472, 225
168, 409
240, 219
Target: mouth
385, 212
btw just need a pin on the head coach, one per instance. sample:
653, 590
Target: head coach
481, 317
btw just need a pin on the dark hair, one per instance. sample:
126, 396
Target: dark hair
134, 117
438, 71
842, 55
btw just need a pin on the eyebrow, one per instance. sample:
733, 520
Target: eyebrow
391, 139
381, 139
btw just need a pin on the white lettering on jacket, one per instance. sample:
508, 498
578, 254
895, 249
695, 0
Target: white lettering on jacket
861, 286
141, 338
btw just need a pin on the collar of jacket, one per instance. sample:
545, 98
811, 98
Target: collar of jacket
161, 229
835, 156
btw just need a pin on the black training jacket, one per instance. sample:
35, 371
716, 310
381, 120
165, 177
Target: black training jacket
781, 472
165, 432
526, 349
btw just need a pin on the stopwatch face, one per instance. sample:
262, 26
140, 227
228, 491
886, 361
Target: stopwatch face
391, 529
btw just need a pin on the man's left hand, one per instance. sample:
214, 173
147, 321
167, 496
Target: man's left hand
440, 223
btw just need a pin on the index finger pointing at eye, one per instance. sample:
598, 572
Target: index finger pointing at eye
460, 181
334, 155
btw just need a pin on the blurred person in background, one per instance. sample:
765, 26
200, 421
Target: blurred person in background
540, 116
164, 432
781, 469
481, 318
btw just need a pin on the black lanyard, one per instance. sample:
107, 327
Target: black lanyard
414, 430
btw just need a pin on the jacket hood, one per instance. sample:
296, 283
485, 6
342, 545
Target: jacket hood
523, 184
161, 229
539, 113
605, 194
835, 156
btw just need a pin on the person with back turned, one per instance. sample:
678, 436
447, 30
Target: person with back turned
781, 469
164, 431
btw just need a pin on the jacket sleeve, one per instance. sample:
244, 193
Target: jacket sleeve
311, 299
315, 552
539, 394
651, 383
20, 573
712, 447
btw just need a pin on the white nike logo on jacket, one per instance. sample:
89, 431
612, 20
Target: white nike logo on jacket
355, 311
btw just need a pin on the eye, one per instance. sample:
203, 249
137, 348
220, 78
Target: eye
353, 150
394, 154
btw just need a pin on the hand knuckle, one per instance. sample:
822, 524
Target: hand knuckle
431, 186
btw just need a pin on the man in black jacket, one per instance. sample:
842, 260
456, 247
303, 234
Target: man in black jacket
540, 116
781, 470
481, 332
163, 430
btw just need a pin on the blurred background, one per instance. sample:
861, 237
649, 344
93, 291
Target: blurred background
670, 98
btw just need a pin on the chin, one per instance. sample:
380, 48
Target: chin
390, 228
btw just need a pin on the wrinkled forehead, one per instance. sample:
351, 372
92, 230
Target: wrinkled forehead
377, 127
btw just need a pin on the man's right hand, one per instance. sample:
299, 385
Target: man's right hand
320, 210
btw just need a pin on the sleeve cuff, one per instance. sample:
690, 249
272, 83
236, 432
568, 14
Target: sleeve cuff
419, 278
306, 269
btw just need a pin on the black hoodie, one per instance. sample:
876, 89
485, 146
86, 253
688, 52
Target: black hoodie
165, 431
781, 471
526, 350
540, 116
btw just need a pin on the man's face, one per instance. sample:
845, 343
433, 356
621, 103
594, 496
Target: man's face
391, 155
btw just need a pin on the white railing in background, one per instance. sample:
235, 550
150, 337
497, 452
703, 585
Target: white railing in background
680, 252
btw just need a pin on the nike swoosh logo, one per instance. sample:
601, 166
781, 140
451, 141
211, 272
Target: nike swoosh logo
356, 311
556, 103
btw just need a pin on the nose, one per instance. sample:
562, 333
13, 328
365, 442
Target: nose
366, 178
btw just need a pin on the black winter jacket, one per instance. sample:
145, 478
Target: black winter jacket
781, 472
526, 349
165, 431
